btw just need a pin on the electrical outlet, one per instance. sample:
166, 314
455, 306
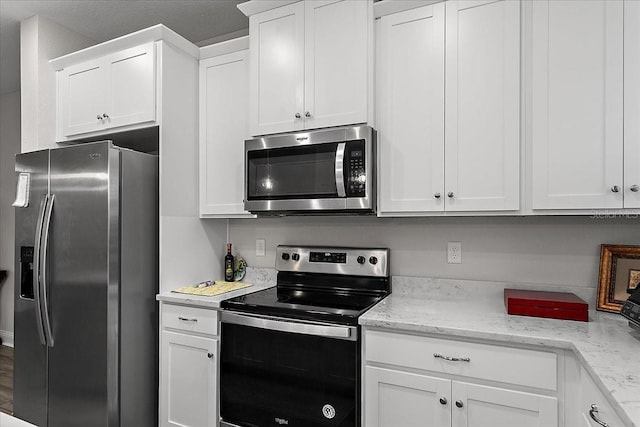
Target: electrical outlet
454, 252
260, 247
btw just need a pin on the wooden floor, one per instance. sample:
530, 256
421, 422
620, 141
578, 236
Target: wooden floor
6, 379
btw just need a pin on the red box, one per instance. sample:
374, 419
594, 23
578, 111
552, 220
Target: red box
555, 305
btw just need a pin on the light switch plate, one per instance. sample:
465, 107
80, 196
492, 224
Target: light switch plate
261, 247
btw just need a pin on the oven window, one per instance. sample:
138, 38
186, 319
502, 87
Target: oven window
292, 173
272, 378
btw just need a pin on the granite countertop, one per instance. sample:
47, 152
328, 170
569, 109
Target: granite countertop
606, 346
260, 279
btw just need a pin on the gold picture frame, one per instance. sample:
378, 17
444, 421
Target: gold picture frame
619, 275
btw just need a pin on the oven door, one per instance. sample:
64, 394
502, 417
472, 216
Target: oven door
276, 372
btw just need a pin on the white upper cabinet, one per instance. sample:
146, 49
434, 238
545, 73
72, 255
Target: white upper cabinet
632, 104
310, 65
410, 107
482, 99
223, 129
577, 104
450, 141
108, 92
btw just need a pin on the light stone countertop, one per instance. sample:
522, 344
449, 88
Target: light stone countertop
260, 278
606, 346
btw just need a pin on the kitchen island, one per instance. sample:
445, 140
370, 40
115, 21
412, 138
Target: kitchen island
606, 347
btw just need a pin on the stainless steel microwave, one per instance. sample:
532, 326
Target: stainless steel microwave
317, 172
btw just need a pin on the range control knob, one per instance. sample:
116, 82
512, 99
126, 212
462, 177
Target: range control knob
285, 256
295, 257
361, 259
373, 260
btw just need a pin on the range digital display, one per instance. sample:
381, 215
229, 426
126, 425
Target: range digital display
330, 257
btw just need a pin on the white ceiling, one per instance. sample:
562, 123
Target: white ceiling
102, 20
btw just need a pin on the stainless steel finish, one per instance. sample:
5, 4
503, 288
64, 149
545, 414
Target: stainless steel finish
36, 270
298, 116
615, 189
351, 267
339, 168
326, 330
450, 194
634, 326
187, 319
314, 206
44, 250
307, 114
210, 355
437, 195
451, 359
593, 414
226, 424
443, 401
459, 403
635, 188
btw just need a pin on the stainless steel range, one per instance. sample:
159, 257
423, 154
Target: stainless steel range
291, 354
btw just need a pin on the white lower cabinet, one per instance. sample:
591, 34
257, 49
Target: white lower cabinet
594, 406
188, 367
414, 380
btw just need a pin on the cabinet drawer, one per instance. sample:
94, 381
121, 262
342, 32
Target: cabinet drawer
491, 362
590, 394
191, 319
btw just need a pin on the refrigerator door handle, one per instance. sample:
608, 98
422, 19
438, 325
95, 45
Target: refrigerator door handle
36, 269
43, 271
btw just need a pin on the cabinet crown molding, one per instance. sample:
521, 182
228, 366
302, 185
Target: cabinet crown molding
256, 6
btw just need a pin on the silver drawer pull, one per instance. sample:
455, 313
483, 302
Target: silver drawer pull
592, 413
451, 359
187, 319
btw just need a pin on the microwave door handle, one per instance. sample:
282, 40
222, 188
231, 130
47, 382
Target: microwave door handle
340, 169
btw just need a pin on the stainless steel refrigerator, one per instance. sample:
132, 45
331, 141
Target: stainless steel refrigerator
87, 275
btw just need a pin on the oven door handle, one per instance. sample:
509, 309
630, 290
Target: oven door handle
286, 325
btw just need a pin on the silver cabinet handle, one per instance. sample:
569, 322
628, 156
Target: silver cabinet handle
298, 115
635, 188
443, 401
210, 355
592, 413
307, 114
451, 359
459, 403
450, 194
105, 115
615, 189
437, 195
99, 117
187, 319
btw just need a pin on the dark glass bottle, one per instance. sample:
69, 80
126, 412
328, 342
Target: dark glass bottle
228, 265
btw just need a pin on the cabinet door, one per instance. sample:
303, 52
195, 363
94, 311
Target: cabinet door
337, 51
482, 146
591, 396
188, 391
394, 398
223, 129
277, 70
411, 110
631, 104
481, 406
131, 86
577, 104
82, 97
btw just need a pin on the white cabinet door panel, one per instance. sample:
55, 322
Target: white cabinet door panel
482, 105
394, 398
631, 104
223, 129
277, 73
336, 52
188, 389
483, 406
411, 104
82, 93
132, 86
577, 104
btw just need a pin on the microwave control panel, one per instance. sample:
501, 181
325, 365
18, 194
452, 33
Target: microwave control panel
356, 173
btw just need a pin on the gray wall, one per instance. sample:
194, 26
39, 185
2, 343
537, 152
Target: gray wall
535, 250
9, 146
